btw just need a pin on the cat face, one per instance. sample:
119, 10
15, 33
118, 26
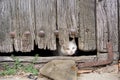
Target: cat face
69, 49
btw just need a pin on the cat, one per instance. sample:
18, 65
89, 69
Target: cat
67, 49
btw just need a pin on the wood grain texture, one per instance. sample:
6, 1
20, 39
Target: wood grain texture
95, 22
5, 27
107, 24
112, 9
26, 25
87, 33
119, 25
45, 13
14, 23
102, 29
47, 59
66, 19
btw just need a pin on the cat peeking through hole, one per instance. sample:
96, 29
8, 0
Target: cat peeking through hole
67, 49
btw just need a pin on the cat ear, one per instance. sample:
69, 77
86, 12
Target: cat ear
61, 42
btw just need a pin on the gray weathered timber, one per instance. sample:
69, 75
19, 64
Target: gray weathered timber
47, 59
43, 60
93, 22
5, 28
45, 13
119, 27
14, 23
112, 9
87, 30
102, 28
107, 24
66, 19
26, 25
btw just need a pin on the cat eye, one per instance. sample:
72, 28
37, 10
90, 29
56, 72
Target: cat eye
73, 48
67, 48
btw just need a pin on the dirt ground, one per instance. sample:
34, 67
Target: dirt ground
90, 76
103, 73
97, 76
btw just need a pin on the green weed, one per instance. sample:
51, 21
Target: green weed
12, 70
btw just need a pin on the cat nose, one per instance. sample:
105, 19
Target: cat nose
71, 52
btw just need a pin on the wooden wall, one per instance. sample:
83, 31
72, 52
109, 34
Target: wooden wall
24, 23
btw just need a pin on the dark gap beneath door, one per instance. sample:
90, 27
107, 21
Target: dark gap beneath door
47, 52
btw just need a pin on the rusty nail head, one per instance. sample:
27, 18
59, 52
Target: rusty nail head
12, 34
72, 31
56, 32
41, 33
27, 33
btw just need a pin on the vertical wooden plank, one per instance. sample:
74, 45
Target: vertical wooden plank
119, 27
107, 24
26, 25
66, 18
102, 28
87, 28
112, 9
45, 13
5, 40
14, 23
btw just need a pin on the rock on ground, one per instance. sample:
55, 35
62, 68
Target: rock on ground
60, 70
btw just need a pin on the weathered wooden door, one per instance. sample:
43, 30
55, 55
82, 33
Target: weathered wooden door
24, 23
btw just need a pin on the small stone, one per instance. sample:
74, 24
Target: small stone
60, 70
30, 76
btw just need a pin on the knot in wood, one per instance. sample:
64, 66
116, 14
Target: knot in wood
12, 34
41, 33
87, 30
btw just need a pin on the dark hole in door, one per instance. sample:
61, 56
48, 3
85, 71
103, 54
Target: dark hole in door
48, 53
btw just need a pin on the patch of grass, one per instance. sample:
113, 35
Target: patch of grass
17, 64
8, 70
30, 68
12, 70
